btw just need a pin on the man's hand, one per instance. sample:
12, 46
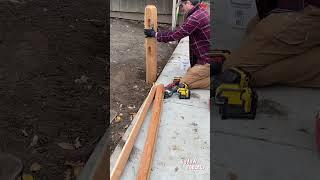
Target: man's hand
149, 32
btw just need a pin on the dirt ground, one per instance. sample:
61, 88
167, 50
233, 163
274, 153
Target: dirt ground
127, 71
53, 82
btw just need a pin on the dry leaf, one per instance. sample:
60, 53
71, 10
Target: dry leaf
77, 144
77, 170
27, 177
67, 174
66, 146
132, 115
131, 107
34, 140
118, 119
24, 132
82, 80
121, 134
35, 167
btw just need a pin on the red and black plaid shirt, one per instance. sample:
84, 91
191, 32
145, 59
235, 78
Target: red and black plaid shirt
197, 27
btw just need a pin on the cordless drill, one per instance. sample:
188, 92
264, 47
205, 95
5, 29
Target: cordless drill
176, 87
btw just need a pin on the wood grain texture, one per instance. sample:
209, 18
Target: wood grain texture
126, 150
151, 21
149, 147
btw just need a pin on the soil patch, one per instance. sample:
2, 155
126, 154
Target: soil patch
127, 71
53, 81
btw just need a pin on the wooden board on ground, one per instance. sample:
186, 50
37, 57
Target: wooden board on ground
125, 152
148, 152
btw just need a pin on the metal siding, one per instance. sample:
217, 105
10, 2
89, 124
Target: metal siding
165, 7
137, 6
115, 5
229, 21
129, 6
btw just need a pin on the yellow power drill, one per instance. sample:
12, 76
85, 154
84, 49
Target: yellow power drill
176, 87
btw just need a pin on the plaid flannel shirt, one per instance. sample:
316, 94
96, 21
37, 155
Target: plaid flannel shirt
197, 27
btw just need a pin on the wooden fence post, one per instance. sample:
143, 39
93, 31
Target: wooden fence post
151, 21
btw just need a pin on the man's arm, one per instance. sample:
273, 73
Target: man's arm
185, 30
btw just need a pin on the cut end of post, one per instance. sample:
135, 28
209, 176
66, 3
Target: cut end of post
151, 17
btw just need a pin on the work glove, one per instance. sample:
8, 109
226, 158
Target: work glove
150, 32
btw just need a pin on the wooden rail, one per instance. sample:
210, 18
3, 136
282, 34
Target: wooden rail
149, 147
125, 152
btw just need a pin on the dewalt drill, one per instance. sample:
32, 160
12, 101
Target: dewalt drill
176, 87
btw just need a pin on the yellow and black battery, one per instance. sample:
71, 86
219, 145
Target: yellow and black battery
183, 91
176, 87
234, 95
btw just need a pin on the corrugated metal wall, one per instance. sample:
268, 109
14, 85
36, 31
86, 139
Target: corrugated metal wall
137, 6
229, 21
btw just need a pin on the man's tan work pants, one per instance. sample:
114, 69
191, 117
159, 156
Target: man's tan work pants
283, 48
197, 77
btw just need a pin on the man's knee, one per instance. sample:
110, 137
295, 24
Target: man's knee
201, 84
196, 76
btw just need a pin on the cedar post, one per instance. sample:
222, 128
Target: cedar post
151, 20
